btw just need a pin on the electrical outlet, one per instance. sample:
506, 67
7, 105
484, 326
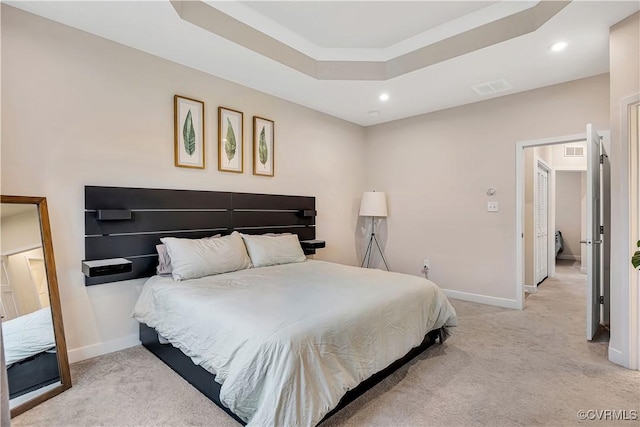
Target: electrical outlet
425, 264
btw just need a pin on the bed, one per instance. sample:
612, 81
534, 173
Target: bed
273, 343
29, 345
286, 342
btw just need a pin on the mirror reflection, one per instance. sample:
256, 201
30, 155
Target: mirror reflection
28, 333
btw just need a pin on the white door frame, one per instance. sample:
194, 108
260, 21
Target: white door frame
629, 227
541, 164
520, 147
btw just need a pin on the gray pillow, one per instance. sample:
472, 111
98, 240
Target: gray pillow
164, 262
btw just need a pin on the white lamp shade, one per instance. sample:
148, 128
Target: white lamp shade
374, 203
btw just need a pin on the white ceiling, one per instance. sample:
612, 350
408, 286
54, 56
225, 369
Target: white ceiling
357, 31
340, 24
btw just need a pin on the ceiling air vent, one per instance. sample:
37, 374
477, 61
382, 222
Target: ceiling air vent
573, 151
489, 88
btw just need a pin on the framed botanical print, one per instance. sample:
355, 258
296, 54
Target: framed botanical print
263, 146
189, 132
230, 140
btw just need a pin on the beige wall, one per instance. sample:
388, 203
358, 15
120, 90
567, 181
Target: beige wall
624, 65
19, 241
437, 167
19, 232
560, 162
569, 212
80, 110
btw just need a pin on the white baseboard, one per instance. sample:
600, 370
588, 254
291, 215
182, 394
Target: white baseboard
93, 350
569, 257
482, 299
531, 289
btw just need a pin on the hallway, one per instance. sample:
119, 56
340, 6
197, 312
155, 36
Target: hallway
566, 291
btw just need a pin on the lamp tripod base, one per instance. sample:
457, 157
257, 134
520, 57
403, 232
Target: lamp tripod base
368, 253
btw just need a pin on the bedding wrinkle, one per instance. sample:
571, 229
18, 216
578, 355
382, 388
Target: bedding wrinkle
286, 342
28, 335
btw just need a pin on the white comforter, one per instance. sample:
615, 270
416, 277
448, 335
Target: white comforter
28, 335
287, 342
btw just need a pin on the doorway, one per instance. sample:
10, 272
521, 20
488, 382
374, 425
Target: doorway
537, 197
570, 218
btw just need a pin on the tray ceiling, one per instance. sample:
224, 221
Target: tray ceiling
338, 57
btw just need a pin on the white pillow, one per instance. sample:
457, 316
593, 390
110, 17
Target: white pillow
164, 260
193, 258
272, 250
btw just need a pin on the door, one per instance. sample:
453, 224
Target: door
605, 248
593, 239
39, 279
8, 306
541, 221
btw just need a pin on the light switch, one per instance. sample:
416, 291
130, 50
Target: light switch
493, 207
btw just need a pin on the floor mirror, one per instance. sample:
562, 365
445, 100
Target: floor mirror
35, 351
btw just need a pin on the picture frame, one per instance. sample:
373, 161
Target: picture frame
230, 140
189, 147
263, 146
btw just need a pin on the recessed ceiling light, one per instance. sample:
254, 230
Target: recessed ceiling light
558, 46
384, 97
374, 112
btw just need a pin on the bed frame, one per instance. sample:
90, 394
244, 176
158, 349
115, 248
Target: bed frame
32, 374
129, 222
205, 382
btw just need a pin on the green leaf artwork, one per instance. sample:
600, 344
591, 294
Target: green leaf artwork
189, 135
263, 151
230, 141
635, 260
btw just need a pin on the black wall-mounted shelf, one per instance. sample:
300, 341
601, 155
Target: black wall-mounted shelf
309, 246
105, 267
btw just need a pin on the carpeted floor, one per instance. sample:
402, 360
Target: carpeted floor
500, 368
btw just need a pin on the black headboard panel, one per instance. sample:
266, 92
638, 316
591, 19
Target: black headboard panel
128, 223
